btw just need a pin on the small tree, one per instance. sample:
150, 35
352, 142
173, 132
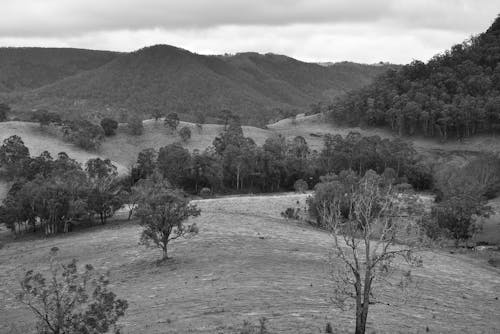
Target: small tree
366, 217
109, 126
172, 121
13, 153
135, 125
156, 113
300, 186
4, 112
69, 301
162, 211
185, 133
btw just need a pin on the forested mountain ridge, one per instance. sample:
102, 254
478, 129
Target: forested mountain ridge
29, 68
256, 87
454, 95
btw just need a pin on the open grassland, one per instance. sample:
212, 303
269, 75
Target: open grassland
247, 262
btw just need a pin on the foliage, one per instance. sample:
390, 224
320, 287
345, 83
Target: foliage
462, 198
454, 95
185, 133
4, 112
54, 194
70, 301
13, 153
174, 162
172, 121
371, 224
83, 133
103, 194
45, 117
135, 125
109, 126
300, 186
162, 211
186, 83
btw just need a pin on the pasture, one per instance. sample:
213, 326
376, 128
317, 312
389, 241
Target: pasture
246, 263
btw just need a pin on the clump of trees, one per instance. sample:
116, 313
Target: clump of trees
46, 118
83, 133
172, 121
53, 194
454, 95
69, 300
109, 126
462, 194
162, 211
235, 162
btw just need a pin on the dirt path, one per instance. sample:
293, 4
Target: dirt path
248, 262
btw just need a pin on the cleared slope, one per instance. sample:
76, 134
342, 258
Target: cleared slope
246, 263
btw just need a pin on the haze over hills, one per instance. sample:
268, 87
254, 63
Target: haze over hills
256, 87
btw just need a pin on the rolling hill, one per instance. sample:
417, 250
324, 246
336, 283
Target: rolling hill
455, 95
256, 87
247, 262
28, 68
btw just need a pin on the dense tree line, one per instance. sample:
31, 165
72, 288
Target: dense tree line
454, 95
52, 194
236, 163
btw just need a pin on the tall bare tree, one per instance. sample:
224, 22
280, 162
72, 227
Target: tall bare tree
372, 225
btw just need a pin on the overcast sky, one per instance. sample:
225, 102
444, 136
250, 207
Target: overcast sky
311, 30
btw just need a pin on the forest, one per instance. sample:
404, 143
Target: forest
454, 95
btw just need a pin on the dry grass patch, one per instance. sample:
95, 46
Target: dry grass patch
247, 262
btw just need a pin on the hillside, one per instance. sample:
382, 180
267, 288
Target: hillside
256, 87
246, 263
28, 68
455, 95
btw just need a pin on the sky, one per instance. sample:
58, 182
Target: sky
368, 31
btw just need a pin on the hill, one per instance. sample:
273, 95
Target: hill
256, 87
28, 68
455, 95
246, 263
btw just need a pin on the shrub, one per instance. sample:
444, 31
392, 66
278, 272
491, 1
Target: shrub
109, 126
185, 133
69, 301
291, 213
300, 186
135, 125
4, 112
205, 192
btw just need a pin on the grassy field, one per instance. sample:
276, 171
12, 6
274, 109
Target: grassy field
246, 263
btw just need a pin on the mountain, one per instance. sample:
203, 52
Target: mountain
28, 68
454, 95
256, 87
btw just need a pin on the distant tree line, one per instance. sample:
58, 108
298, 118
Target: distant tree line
454, 95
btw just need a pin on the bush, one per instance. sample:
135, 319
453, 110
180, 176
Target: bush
109, 126
300, 186
185, 133
135, 125
205, 192
291, 213
69, 301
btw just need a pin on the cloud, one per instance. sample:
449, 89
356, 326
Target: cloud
311, 30
62, 17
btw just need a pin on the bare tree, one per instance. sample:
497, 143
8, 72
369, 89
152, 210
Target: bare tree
371, 225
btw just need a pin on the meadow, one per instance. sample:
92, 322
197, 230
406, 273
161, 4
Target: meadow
247, 262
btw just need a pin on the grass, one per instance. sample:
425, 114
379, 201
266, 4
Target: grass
248, 263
